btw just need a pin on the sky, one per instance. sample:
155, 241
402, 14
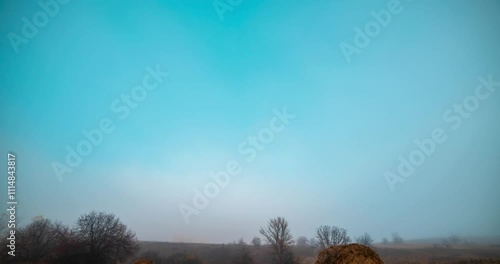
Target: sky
309, 128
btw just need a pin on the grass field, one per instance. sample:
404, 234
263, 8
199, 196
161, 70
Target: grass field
431, 254
404, 254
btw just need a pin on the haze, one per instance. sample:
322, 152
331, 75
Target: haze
231, 78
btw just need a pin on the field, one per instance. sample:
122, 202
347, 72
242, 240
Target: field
404, 254
431, 254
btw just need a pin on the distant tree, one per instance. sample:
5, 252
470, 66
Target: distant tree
327, 236
396, 239
220, 254
301, 241
242, 242
105, 238
256, 242
454, 239
365, 240
244, 256
277, 235
313, 242
385, 241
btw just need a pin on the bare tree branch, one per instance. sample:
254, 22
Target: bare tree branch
277, 235
327, 236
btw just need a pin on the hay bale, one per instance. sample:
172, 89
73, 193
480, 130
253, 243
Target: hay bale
348, 254
143, 261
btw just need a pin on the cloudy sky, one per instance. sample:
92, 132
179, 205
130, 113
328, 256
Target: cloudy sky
356, 104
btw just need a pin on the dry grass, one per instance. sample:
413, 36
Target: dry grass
417, 254
401, 254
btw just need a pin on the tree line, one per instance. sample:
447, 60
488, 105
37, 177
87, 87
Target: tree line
100, 238
97, 237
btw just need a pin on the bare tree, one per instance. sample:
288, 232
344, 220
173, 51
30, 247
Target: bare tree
39, 239
105, 238
385, 241
365, 240
242, 242
256, 242
244, 256
396, 238
330, 236
277, 235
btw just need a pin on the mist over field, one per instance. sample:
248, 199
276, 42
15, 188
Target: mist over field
201, 121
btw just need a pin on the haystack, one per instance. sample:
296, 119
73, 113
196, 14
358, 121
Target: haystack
143, 261
348, 254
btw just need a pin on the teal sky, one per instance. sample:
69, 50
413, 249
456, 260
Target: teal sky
353, 120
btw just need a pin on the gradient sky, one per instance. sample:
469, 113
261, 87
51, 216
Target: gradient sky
226, 77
